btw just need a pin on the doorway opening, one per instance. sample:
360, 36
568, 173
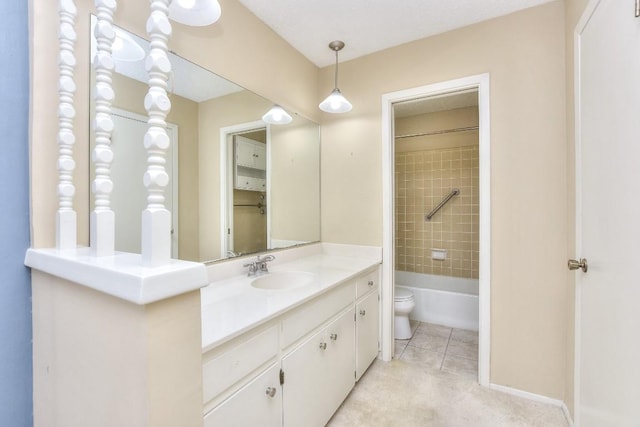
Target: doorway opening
244, 196
397, 108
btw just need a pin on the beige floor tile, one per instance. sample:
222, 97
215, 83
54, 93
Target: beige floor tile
463, 349
434, 330
400, 345
429, 342
461, 365
405, 393
463, 335
423, 357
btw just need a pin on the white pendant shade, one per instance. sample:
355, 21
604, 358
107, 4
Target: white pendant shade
335, 103
277, 116
125, 48
195, 13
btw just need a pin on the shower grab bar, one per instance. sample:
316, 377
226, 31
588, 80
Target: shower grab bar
444, 201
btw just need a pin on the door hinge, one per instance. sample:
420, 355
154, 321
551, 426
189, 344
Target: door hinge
281, 377
354, 316
355, 374
637, 8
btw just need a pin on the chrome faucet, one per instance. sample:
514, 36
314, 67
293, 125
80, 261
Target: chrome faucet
262, 262
259, 265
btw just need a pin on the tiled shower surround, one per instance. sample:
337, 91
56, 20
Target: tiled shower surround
423, 179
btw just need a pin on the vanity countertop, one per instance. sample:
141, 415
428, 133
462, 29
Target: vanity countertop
232, 306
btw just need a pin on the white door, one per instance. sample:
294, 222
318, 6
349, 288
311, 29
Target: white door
608, 216
129, 197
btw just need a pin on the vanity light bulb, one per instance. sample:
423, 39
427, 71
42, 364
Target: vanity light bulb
336, 103
187, 4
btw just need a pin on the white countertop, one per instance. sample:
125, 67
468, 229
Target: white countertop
232, 306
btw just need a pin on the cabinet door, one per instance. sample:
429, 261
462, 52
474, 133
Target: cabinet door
259, 403
260, 156
319, 374
244, 153
367, 311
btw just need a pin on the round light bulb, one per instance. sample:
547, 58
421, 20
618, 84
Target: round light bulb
187, 4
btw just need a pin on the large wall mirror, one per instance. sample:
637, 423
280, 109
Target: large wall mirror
239, 185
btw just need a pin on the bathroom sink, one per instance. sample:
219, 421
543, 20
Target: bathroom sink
283, 280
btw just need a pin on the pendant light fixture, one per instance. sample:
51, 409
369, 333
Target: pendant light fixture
336, 102
277, 116
195, 13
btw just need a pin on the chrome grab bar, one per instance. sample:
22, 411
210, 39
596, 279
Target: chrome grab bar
444, 201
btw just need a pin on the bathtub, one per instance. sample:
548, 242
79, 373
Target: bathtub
448, 301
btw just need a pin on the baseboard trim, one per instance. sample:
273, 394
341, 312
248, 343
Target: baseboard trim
535, 397
567, 414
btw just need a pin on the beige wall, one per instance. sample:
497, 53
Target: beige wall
184, 113
295, 182
99, 360
573, 11
285, 77
525, 56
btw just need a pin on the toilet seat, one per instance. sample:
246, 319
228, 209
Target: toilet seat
402, 294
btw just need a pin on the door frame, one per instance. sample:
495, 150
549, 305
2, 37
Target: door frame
173, 130
481, 83
577, 354
226, 180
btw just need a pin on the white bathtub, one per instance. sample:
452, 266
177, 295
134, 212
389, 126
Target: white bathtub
448, 301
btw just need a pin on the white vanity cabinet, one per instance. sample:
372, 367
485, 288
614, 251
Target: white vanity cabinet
319, 374
296, 369
257, 403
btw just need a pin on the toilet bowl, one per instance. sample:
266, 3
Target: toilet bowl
403, 304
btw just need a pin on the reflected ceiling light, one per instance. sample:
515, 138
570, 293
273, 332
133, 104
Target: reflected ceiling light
196, 13
277, 116
125, 48
336, 102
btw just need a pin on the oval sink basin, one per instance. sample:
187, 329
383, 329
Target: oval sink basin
283, 280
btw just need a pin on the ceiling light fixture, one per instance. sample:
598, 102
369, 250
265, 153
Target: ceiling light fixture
336, 102
125, 48
277, 116
195, 13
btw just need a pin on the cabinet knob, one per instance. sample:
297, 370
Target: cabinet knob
334, 337
271, 391
362, 312
370, 283
323, 345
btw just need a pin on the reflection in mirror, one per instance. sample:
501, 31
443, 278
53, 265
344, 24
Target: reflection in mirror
213, 123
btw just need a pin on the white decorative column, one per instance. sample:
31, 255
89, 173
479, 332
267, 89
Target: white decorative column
66, 237
102, 228
156, 219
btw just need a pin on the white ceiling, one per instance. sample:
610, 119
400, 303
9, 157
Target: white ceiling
367, 26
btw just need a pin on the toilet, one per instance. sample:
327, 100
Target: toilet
403, 304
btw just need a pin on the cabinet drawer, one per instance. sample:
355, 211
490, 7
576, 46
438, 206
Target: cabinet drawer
368, 283
227, 368
259, 403
311, 315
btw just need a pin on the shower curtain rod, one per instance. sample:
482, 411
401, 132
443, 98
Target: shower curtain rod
439, 132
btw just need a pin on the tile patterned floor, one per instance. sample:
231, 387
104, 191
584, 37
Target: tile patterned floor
440, 347
433, 382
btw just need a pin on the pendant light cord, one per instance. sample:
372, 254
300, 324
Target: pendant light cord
335, 86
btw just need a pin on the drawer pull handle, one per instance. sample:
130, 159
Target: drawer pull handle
271, 391
362, 312
323, 345
334, 337
370, 283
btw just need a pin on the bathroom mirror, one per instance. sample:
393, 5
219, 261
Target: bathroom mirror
212, 124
